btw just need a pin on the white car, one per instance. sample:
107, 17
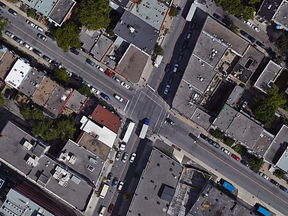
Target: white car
166, 89
118, 155
100, 68
225, 151
132, 157
9, 34
256, 29
122, 83
122, 146
118, 97
69, 73
248, 23
175, 68
27, 46
95, 90
127, 86
264, 176
116, 79
120, 185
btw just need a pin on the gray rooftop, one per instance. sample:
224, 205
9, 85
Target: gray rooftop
137, 32
217, 203
186, 99
61, 10
101, 47
235, 95
76, 192
31, 82
84, 158
263, 142
198, 74
268, 75
160, 171
202, 118
225, 117
14, 147
18, 204
152, 12
283, 162
76, 101
245, 130
132, 63
44, 6
219, 31
55, 104
87, 38
251, 59
268, 9
122, 3
281, 14
278, 146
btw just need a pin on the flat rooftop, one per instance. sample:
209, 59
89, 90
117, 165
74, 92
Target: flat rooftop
281, 14
7, 61
122, 3
73, 190
235, 96
219, 31
136, 31
268, 9
268, 76
245, 130
218, 203
160, 171
31, 82
152, 12
101, 47
241, 73
76, 101
251, 59
132, 64
106, 118
44, 7
278, 146
225, 117
263, 142
202, 119
43, 92
87, 38
94, 146
84, 160
61, 10
198, 74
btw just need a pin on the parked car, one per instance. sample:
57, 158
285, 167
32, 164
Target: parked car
77, 78
274, 182
27, 46
189, 35
48, 34
203, 136
116, 79
167, 69
115, 181
37, 52
132, 157
127, 86
225, 151
191, 135
244, 104
111, 207
120, 185
170, 121
46, 58
226, 22
217, 16
109, 176
251, 39
243, 33
108, 73
248, 23
12, 12
256, 29
178, 11
235, 157
260, 44
9, 34
283, 188
105, 96
118, 97
69, 73
244, 163
94, 90
99, 68
216, 145
2, 5
118, 155
102, 211
42, 37
90, 62
175, 68
122, 146
124, 158
76, 52
184, 46
264, 176
166, 90
18, 40
38, 28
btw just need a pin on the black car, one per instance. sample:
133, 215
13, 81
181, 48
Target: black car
37, 52
185, 45
203, 136
251, 39
42, 37
2, 5
167, 69
244, 33
109, 176
226, 22
179, 10
12, 12
244, 163
216, 145
260, 44
48, 34
74, 50
46, 58
217, 16
274, 182
283, 188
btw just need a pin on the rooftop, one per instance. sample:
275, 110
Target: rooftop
102, 133
17, 74
282, 162
106, 118
137, 32
122, 3
76, 101
251, 59
218, 203
82, 161
198, 74
280, 17
20, 149
94, 145
87, 38
152, 12
161, 173
268, 76
263, 142
240, 74
202, 118
235, 95
18, 204
31, 82
44, 7
7, 59
226, 36
132, 63
245, 130
225, 117
56, 101
60, 11
268, 9
61, 182
100, 47
43, 92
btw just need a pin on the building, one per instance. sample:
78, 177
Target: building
43, 92
17, 74
76, 102
202, 119
225, 117
6, 59
268, 76
101, 47
157, 185
280, 16
235, 96
267, 11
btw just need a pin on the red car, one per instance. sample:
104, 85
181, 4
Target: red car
235, 157
111, 207
108, 73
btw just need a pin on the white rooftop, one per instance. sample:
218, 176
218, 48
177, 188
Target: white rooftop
17, 74
103, 134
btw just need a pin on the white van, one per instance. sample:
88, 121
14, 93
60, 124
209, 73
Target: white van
102, 211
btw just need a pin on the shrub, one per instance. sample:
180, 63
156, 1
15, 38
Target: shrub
30, 12
216, 133
240, 149
228, 141
278, 173
255, 163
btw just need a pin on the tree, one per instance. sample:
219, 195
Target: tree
62, 76
173, 11
4, 22
85, 90
30, 12
253, 2
158, 50
29, 113
94, 14
42, 126
68, 36
216, 133
2, 100
248, 13
37, 114
255, 163
282, 42
279, 59
278, 173
228, 141
234, 28
26, 112
240, 149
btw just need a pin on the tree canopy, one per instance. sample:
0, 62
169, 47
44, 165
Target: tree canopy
158, 50
2, 100
30, 12
85, 90
282, 42
4, 22
62, 76
255, 163
173, 11
94, 14
32, 113
68, 36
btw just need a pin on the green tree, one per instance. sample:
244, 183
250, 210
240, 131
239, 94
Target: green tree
248, 13
94, 14
280, 59
37, 114
240, 149
228, 141
253, 2
278, 173
173, 11
234, 28
62, 76
2, 100
66, 127
30, 12
26, 112
4, 22
255, 163
85, 90
158, 50
68, 36
216, 133
41, 127
282, 42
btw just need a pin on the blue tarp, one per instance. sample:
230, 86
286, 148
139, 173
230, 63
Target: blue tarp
263, 211
228, 186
